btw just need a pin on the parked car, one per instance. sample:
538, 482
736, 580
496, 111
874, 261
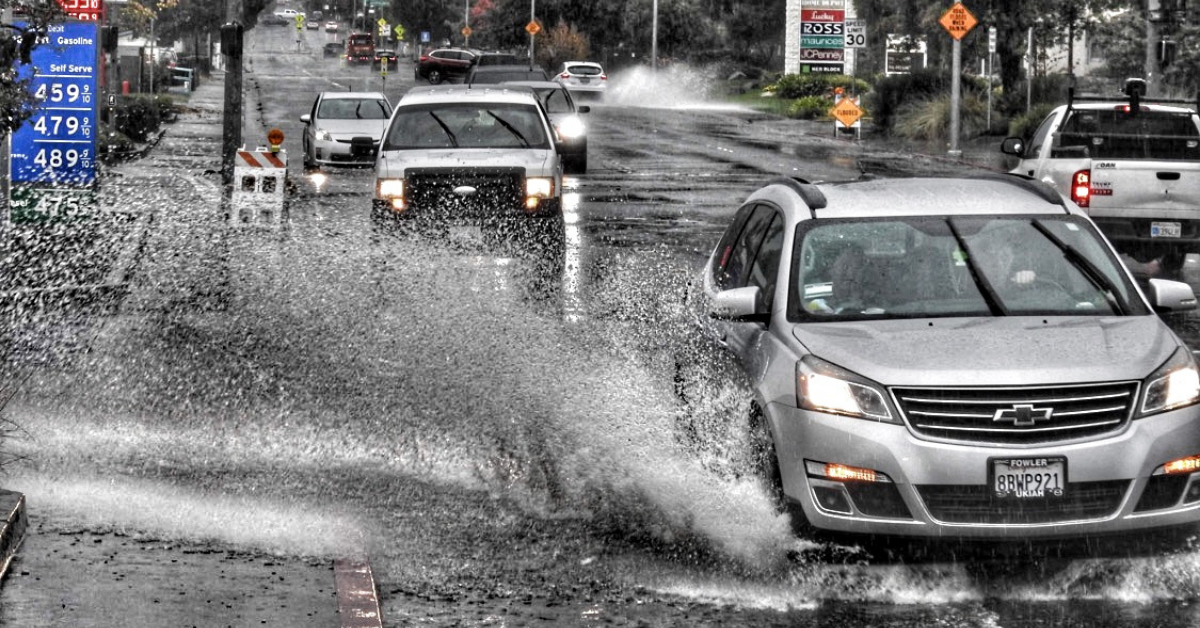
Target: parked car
275, 20
382, 56
1132, 163
334, 49
583, 78
483, 161
344, 128
493, 74
567, 119
950, 359
288, 14
331, 26
442, 64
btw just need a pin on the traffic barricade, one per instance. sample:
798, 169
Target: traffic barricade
259, 187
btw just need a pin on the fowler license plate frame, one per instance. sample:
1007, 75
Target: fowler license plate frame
1028, 478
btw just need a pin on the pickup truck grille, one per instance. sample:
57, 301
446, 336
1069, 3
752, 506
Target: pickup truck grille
497, 192
1032, 415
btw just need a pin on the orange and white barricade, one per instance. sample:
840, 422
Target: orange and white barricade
259, 187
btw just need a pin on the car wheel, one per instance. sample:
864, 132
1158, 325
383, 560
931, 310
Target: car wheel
435, 77
576, 165
765, 466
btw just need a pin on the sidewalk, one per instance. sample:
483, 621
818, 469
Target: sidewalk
74, 569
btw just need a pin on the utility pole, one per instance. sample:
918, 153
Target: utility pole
1154, 15
231, 47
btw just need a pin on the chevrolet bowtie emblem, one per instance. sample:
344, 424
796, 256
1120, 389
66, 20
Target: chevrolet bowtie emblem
1022, 415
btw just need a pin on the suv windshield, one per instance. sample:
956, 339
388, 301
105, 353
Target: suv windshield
959, 266
1114, 134
473, 125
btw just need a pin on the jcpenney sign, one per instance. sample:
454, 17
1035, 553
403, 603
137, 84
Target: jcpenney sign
818, 54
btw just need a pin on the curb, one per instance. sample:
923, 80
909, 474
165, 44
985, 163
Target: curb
13, 530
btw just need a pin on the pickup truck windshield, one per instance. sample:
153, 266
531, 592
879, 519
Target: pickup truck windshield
455, 125
956, 266
1114, 134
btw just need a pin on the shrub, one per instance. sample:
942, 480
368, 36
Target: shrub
810, 107
1025, 124
138, 118
792, 86
929, 119
892, 93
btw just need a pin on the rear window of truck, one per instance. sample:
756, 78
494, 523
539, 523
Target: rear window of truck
1114, 134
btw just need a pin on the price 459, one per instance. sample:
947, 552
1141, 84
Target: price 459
57, 157
57, 92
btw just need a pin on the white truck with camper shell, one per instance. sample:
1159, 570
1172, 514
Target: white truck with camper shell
1132, 163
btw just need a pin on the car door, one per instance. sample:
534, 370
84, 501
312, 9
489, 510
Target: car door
750, 259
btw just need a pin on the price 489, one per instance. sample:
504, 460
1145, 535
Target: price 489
58, 158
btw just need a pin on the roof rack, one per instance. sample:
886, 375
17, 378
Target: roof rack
1029, 184
1135, 89
809, 193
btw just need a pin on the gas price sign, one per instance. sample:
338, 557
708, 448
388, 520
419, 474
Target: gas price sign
57, 145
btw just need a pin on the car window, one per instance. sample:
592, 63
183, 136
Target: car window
556, 101
1039, 137
930, 267
468, 125
584, 70
737, 267
765, 269
728, 239
1115, 134
354, 109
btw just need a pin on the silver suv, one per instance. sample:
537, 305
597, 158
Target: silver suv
457, 158
952, 358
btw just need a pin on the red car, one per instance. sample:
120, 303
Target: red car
438, 65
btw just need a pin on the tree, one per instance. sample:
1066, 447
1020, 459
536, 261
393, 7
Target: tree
17, 42
559, 44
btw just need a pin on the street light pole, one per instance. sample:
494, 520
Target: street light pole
654, 37
532, 14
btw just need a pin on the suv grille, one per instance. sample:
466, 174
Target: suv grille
1018, 416
498, 191
977, 504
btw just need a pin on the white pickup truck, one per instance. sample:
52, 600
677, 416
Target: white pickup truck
1132, 163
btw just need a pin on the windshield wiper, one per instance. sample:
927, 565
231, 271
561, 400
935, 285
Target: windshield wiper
449, 133
511, 128
1084, 266
986, 289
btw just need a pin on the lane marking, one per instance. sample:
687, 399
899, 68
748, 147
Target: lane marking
358, 603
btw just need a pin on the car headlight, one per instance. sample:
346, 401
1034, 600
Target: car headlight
571, 128
389, 188
1174, 385
323, 135
539, 187
824, 387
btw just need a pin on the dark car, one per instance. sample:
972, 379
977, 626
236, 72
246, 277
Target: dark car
500, 58
565, 115
504, 73
438, 65
385, 56
334, 49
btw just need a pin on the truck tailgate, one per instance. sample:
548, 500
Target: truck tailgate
1148, 189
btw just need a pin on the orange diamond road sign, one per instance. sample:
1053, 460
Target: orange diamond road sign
533, 28
847, 112
958, 21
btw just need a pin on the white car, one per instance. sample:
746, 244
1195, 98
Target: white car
288, 13
483, 159
344, 128
331, 27
583, 78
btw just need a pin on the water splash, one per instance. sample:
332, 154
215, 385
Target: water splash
677, 86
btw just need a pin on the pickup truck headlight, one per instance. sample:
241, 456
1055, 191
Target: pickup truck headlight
1174, 385
824, 387
539, 187
391, 190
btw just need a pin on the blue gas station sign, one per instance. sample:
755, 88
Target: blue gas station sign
57, 146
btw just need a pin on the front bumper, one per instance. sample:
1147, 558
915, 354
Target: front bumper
338, 153
942, 490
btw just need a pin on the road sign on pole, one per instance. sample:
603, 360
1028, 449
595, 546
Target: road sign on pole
958, 21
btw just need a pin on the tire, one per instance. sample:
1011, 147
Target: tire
435, 77
765, 465
576, 165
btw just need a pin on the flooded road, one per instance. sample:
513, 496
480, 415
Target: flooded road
497, 432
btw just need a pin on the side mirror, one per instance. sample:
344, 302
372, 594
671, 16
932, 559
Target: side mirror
739, 304
306, 118
583, 109
1013, 146
1171, 296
